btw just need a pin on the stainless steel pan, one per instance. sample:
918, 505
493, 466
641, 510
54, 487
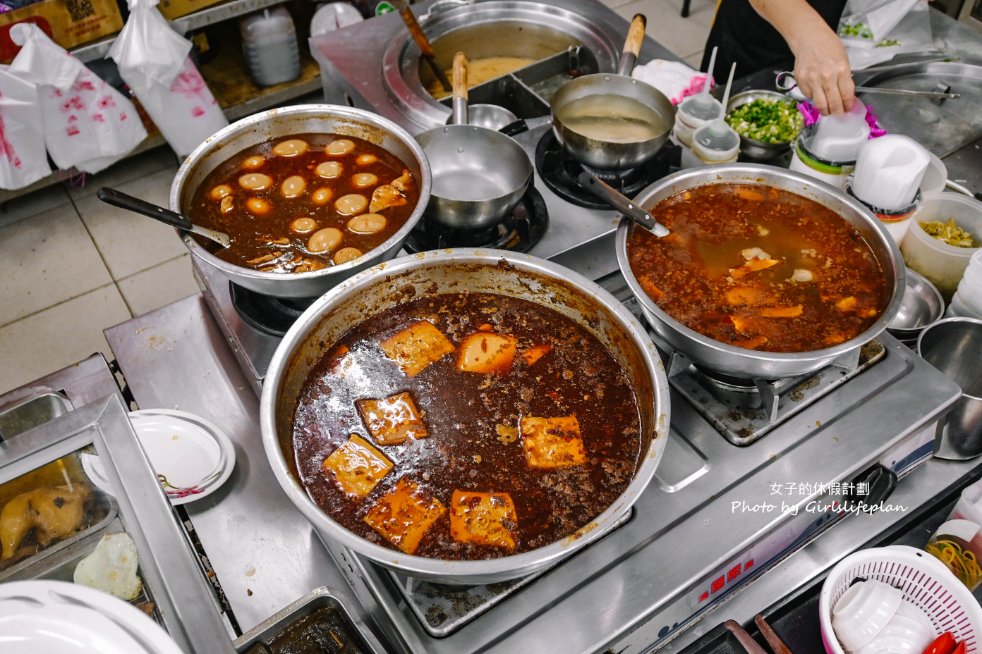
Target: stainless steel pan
452, 271
479, 174
613, 154
739, 361
299, 119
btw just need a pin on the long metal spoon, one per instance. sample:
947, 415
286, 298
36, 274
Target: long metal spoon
622, 203
166, 216
924, 94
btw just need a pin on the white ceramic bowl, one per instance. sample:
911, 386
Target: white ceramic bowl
863, 611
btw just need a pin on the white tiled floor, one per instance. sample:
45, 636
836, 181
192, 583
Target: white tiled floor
72, 266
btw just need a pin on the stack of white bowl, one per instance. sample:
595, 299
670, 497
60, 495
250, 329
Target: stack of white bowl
872, 617
967, 300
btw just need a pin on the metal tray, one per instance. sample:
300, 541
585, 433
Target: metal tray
168, 564
300, 629
952, 124
31, 413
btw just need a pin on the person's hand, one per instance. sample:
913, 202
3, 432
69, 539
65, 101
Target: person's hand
821, 69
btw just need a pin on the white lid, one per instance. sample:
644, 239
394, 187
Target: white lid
837, 137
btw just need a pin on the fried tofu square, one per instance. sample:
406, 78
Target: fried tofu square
356, 466
417, 347
404, 515
483, 519
552, 442
392, 420
487, 352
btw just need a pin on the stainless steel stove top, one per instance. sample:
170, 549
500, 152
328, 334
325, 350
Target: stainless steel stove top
716, 516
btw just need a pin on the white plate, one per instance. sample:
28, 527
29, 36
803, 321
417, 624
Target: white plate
191, 455
57, 617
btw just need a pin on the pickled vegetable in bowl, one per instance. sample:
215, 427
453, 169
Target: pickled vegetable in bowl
949, 232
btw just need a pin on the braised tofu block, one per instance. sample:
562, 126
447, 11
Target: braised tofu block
483, 519
404, 515
356, 466
486, 352
392, 420
552, 442
416, 347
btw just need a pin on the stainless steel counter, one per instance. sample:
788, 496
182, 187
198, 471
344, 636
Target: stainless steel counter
262, 549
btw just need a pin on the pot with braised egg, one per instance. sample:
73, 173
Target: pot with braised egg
766, 273
465, 416
310, 195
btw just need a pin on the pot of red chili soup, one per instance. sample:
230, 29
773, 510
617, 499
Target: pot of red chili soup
467, 416
310, 195
766, 273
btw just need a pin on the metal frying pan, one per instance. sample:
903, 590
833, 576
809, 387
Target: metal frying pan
609, 103
479, 174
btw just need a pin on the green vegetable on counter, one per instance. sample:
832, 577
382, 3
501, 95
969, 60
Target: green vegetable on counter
769, 121
950, 233
856, 30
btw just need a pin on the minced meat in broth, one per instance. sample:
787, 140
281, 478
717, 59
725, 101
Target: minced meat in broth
304, 202
759, 268
469, 440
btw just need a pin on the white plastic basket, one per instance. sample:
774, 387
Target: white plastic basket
926, 583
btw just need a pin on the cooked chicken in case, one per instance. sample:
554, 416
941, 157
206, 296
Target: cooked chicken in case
51, 513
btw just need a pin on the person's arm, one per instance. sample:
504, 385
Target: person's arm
821, 66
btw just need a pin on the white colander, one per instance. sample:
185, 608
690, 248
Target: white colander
926, 583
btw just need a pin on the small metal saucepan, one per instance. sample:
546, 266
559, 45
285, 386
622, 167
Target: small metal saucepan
613, 121
479, 174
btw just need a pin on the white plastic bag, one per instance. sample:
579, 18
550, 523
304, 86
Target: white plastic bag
87, 123
874, 31
23, 159
153, 60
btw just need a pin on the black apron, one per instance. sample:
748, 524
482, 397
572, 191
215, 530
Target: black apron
743, 36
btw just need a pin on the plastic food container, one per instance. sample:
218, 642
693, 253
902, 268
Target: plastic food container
269, 45
941, 263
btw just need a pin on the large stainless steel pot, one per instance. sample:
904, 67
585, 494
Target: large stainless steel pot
300, 119
742, 362
512, 28
516, 275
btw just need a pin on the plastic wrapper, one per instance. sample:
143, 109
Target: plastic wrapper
23, 159
874, 31
674, 79
153, 61
87, 123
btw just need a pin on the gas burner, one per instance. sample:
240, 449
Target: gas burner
559, 171
518, 231
271, 315
744, 410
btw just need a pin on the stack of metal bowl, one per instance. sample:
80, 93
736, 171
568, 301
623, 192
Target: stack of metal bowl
921, 306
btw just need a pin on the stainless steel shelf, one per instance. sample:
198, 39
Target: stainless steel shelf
184, 24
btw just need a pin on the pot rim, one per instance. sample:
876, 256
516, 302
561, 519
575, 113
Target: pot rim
466, 571
329, 110
706, 175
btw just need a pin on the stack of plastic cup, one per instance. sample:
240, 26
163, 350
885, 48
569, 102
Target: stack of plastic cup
967, 300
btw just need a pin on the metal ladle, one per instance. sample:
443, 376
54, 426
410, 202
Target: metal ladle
622, 203
166, 216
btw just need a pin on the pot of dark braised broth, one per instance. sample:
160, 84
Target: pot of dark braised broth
766, 273
310, 194
465, 416
613, 121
